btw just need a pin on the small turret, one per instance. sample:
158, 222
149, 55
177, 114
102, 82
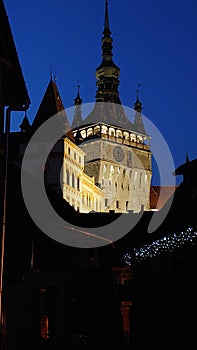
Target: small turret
138, 123
77, 120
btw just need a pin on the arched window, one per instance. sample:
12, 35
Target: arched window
104, 129
111, 131
111, 169
83, 134
133, 137
126, 135
97, 129
118, 133
89, 132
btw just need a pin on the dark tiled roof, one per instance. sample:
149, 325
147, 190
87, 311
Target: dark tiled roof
51, 104
161, 193
110, 113
14, 87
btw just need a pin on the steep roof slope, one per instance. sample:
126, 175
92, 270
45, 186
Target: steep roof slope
50, 105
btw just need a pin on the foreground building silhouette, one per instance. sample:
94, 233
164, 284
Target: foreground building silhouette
126, 294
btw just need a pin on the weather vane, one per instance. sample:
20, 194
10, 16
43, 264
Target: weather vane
137, 90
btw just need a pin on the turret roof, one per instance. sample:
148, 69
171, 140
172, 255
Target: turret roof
50, 105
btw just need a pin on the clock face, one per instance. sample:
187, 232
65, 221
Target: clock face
118, 154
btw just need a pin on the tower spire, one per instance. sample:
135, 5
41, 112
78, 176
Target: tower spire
107, 82
106, 31
77, 119
78, 99
107, 74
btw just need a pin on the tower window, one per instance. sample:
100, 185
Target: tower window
73, 180
118, 133
117, 204
129, 155
104, 129
89, 132
111, 131
140, 180
78, 184
67, 177
111, 169
126, 136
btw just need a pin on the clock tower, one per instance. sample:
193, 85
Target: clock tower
118, 153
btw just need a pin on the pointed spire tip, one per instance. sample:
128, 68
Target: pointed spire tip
106, 25
138, 104
78, 99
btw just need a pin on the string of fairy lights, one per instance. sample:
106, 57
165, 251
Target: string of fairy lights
165, 244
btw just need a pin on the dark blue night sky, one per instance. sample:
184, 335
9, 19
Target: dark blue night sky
154, 45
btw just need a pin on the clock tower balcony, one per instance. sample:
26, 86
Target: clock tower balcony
114, 134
